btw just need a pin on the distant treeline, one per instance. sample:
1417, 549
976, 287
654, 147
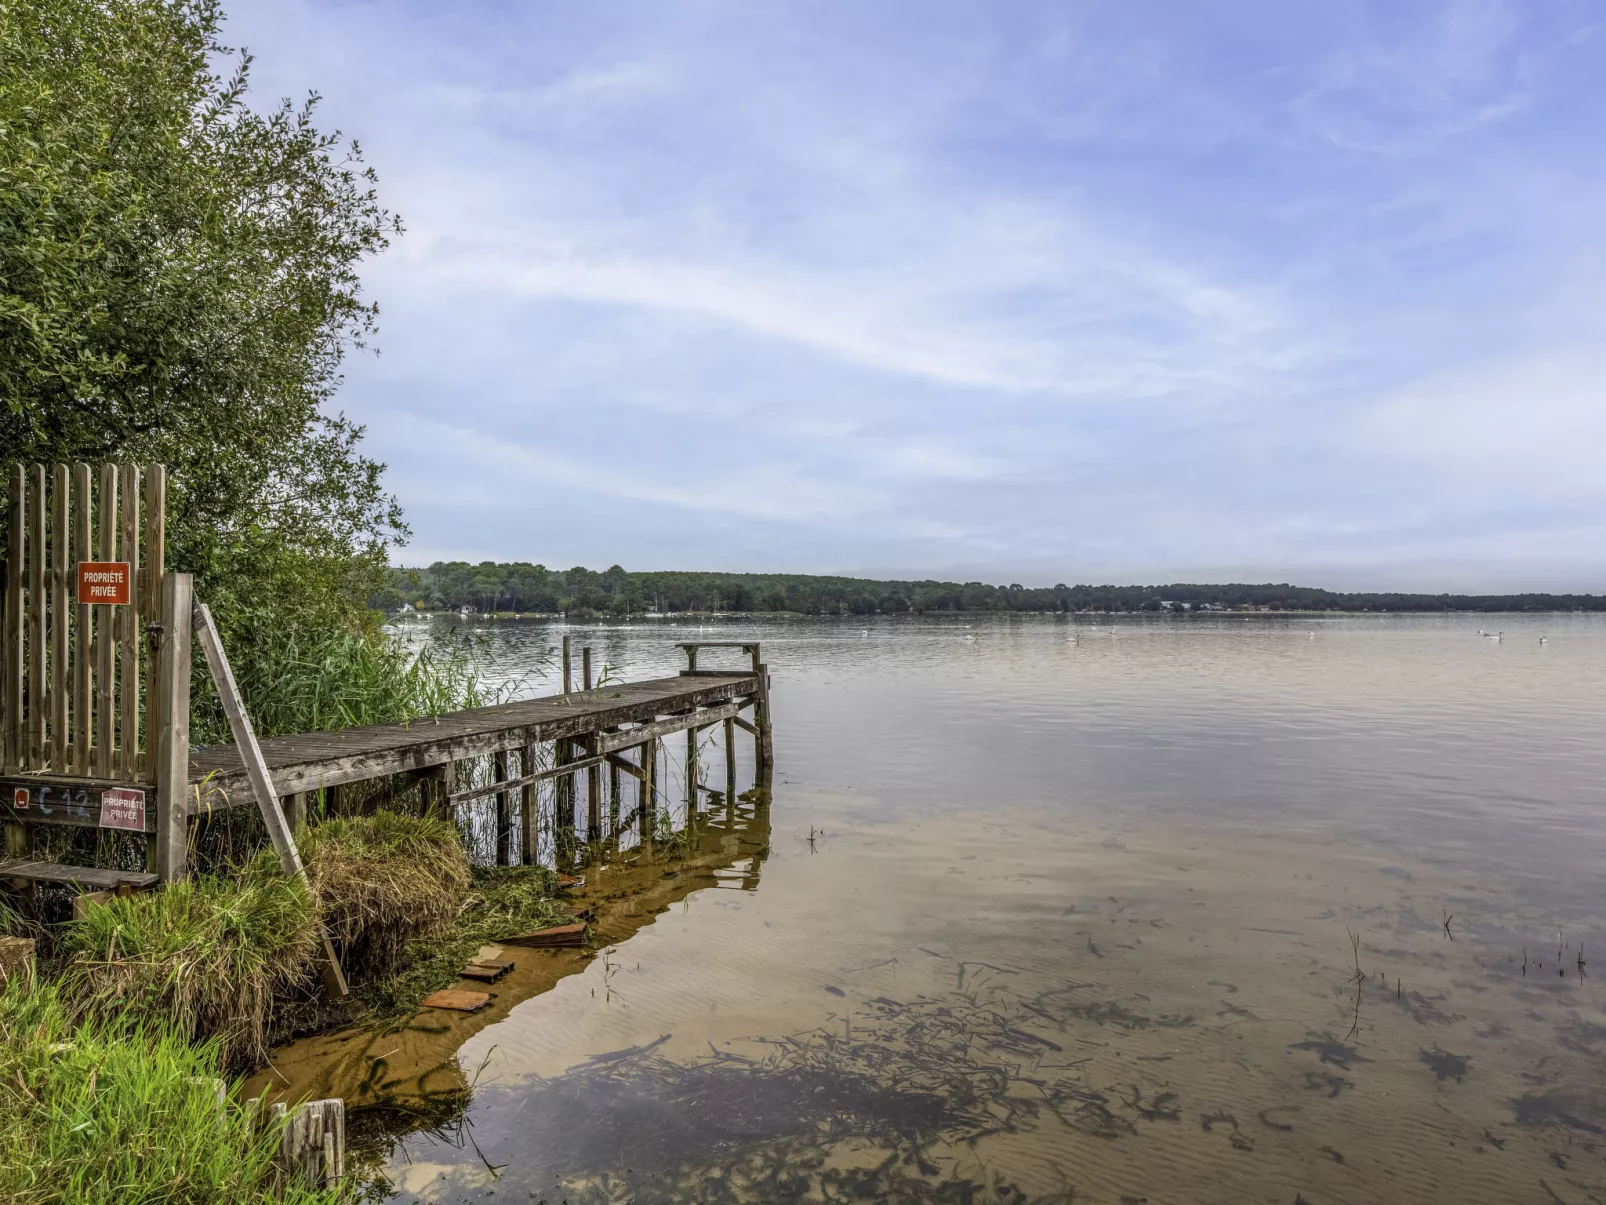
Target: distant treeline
520, 586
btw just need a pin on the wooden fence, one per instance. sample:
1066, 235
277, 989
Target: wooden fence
77, 696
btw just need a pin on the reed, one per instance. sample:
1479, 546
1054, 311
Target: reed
122, 1111
308, 680
207, 957
385, 881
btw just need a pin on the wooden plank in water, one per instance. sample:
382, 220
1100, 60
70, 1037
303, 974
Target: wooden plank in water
465, 1002
557, 937
487, 970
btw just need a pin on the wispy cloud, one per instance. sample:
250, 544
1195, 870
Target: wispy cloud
1111, 290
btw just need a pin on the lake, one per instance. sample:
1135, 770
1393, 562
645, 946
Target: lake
1225, 908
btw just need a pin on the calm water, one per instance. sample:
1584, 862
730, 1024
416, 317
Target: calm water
1212, 910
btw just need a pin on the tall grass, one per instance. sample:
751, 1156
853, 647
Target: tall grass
385, 881
305, 680
207, 956
121, 1112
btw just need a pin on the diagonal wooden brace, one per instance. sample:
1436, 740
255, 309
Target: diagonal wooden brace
256, 768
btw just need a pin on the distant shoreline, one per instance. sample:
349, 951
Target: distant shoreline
528, 589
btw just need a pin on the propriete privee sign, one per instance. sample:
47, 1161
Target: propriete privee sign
104, 582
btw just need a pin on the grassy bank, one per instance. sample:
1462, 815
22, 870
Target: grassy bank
110, 1062
122, 1111
231, 958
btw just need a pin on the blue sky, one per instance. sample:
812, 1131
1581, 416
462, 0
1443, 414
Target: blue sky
1017, 291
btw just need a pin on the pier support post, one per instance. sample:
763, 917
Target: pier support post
613, 796
504, 811
691, 773
563, 793
593, 773
295, 810
730, 762
648, 788
594, 790
529, 814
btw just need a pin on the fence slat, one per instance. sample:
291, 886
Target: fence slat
37, 708
13, 733
151, 611
60, 627
105, 632
128, 675
83, 716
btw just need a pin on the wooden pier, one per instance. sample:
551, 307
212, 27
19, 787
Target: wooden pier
566, 739
95, 696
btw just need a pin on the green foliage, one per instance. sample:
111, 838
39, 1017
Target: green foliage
505, 900
383, 882
121, 1113
489, 586
208, 956
178, 282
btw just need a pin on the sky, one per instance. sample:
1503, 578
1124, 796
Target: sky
1036, 292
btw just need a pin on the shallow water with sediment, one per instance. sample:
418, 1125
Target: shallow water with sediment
1217, 909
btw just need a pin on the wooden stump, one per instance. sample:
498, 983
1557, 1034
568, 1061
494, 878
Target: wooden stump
313, 1149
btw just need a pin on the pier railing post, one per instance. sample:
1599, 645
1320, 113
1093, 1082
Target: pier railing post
173, 731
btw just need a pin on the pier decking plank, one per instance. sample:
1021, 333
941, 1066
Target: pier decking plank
309, 761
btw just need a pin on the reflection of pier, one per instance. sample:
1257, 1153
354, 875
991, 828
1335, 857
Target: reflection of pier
412, 1071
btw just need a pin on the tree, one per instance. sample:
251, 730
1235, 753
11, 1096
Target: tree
178, 283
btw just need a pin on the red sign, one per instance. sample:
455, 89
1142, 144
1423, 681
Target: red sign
123, 808
19, 797
105, 582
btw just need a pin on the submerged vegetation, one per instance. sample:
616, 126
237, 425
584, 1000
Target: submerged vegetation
122, 1111
519, 586
502, 900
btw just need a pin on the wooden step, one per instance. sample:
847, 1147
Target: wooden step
96, 878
